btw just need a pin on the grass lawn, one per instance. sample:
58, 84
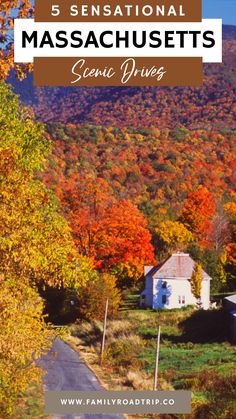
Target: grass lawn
194, 355
182, 360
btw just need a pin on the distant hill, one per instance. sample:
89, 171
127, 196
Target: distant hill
229, 32
151, 167
211, 106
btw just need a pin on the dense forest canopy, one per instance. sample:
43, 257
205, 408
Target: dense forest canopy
160, 155
182, 181
152, 167
211, 106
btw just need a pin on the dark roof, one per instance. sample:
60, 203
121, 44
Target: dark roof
231, 298
179, 265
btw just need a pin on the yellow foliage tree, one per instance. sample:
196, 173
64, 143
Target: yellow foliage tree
230, 208
36, 248
23, 339
173, 235
35, 239
92, 298
10, 9
196, 281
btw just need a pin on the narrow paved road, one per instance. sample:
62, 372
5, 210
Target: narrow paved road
67, 371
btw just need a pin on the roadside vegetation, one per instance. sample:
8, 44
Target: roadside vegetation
37, 253
194, 355
31, 405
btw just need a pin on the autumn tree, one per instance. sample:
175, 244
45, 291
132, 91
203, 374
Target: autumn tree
231, 265
231, 253
92, 298
36, 248
197, 213
59, 301
125, 245
196, 281
113, 233
220, 231
23, 339
230, 248
35, 237
85, 201
217, 241
230, 209
9, 10
173, 235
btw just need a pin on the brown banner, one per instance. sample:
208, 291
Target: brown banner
118, 71
174, 11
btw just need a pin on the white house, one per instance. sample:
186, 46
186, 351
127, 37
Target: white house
168, 284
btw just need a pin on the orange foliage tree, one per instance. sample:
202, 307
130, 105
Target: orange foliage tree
114, 233
231, 253
85, 201
197, 214
126, 242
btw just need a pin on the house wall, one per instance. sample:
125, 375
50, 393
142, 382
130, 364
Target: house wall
177, 289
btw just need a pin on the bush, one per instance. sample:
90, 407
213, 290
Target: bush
124, 351
92, 297
221, 393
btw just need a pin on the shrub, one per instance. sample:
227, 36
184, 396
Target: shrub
92, 297
124, 351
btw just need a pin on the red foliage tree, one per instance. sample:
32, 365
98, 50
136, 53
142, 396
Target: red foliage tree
125, 242
112, 232
197, 214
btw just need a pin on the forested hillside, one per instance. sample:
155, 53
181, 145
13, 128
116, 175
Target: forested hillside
140, 172
154, 168
211, 106
182, 181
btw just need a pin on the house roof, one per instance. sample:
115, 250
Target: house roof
177, 266
231, 298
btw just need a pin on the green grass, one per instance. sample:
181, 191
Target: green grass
220, 358
194, 354
130, 302
191, 342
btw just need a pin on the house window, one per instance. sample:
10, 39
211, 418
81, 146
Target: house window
181, 299
164, 299
164, 284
